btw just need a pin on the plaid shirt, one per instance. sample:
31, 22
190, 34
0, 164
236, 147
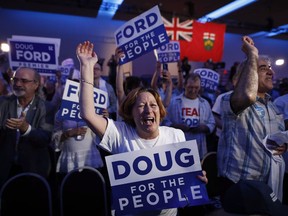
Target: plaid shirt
241, 153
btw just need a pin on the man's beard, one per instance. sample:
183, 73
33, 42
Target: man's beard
18, 92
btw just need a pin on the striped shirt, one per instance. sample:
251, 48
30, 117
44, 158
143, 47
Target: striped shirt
241, 153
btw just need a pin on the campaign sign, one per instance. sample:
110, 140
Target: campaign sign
209, 78
141, 35
66, 72
70, 108
169, 52
156, 178
38, 55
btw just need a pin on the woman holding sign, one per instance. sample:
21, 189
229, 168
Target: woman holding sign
142, 112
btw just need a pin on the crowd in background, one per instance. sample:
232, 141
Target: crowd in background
68, 144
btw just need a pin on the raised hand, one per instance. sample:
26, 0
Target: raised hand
158, 67
248, 46
85, 53
166, 75
119, 54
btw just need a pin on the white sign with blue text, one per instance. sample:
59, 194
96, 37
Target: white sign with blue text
38, 53
141, 35
70, 108
156, 178
169, 52
209, 79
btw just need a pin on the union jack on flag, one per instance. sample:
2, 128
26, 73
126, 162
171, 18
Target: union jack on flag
177, 30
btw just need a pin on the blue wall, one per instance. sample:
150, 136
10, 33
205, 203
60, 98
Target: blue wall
74, 29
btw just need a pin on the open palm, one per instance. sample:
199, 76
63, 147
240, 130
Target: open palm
86, 54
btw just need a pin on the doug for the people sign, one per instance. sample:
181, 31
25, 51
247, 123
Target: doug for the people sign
156, 178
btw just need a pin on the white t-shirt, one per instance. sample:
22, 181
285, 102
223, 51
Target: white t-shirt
190, 111
121, 137
217, 109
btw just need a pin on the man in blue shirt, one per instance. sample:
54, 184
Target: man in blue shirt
249, 117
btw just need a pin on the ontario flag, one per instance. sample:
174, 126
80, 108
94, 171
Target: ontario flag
198, 41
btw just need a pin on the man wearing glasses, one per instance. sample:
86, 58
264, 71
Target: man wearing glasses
24, 132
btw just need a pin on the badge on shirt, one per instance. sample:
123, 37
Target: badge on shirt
260, 111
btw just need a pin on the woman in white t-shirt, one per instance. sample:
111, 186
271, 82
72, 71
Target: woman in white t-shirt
142, 111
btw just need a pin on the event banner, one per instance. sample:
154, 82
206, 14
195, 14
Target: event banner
169, 52
70, 108
141, 35
35, 52
209, 79
156, 178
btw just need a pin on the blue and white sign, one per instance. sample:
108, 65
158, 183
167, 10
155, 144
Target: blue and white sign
156, 178
70, 108
141, 35
38, 53
209, 78
66, 72
169, 52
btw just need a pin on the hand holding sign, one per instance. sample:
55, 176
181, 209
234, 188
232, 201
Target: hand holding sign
203, 177
119, 54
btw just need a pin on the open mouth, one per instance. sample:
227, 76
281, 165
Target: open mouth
269, 79
149, 121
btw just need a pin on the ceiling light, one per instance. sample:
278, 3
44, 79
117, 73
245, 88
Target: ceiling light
235, 5
258, 34
108, 8
279, 62
5, 47
275, 31
279, 30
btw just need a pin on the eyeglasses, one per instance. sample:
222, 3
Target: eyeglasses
24, 81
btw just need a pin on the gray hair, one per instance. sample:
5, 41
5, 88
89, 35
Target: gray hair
37, 78
265, 58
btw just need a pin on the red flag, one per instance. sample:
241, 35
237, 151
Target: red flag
208, 41
198, 41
